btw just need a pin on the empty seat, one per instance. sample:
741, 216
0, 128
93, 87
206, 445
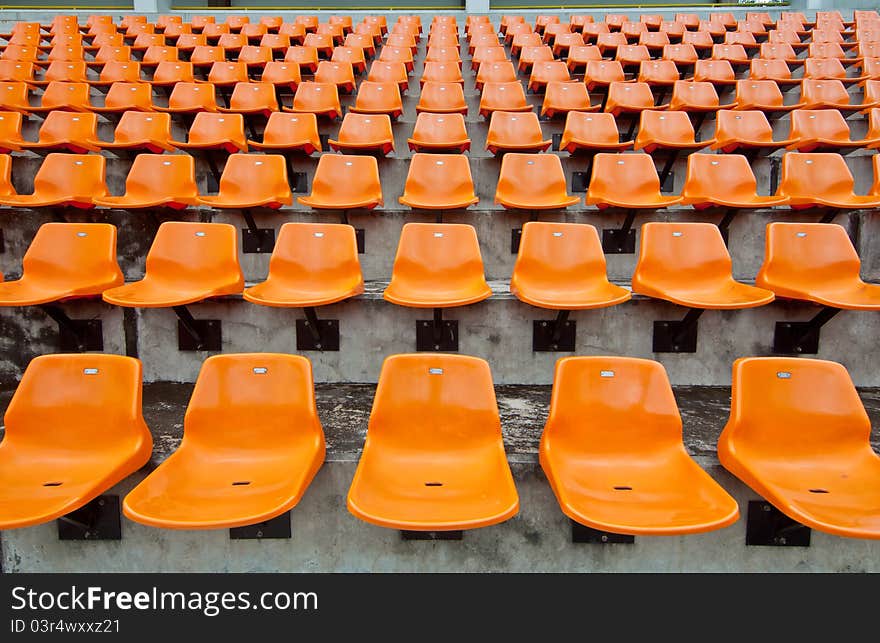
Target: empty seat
658, 73
828, 94
632, 55
364, 133
486, 55
822, 130
10, 133
531, 55
228, 74
313, 264
191, 98
532, 182
322, 42
828, 69
723, 180
158, 54
16, 71
289, 133
216, 132
444, 98
495, 72
591, 133
252, 442
397, 55
682, 55
763, 95
336, 73
667, 131
156, 180
773, 70
117, 72
321, 99
692, 96
547, 72
123, 97
344, 182
381, 98
745, 130
305, 57
281, 74
439, 182
169, 74
73, 180
820, 179
252, 181
798, 435
354, 56
406, 471
14, 97
253, 99
65, 72
71, 97
141, 131
580, 55
439, 132
629, 98
385, 72
204, 56
442, 54
613, 452
515, 132
735, 54
66, 132
363, 41
717, 72
186, 263
626, 181
504, 97
561, 266
74, 429
689, 265
441, 73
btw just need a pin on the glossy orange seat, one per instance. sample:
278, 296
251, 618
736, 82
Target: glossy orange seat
515, 132
188, 42
344, 182
255, 56
157, 180
763, 95
206, 56
223, 474
281, 74
828, 69
336, 73
531, 55
613, 453
74, 429
111, 53
65, 261
716, 72
779, 51
439, 182
495, 72
73, 180
228, 74
10, 135
71, 97
591, 132
169, 74
442, 98
772, 70
545, 72
363, 41
252, 181
693, 96
487, 55
215, 132
321, 99
658, 73
158, 54
364, 133
798, 435
397, 55
322, 42
16, 71
746, 130
626, 181
683, 55
406, 472
609, 42
723, 180
561, 266
252, 99
290, 132
354, 56
503, 97
439, 132
441, 73
74, 132
532, 182
305, 57
820, 179
124, 97
14, 97
65, 72
735, 54
443, 54
186, 263
141, 131
389, 72
191, 98
402, 40
828, 94
670, 130
632, 55
117, 72
822, 130
580, 55
629, 98
689, 265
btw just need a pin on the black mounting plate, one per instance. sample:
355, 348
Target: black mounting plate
210, 331
583, 534
542, 336
277, 527
616, 242
98, 520
90, 331
515, 238
448, 337
328, 329
792, 337
769, 527
261, 240
668, 337
431, 535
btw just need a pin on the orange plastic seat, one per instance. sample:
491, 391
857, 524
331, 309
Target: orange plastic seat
215, 132
828, 69
780, 51
255, 56
253, 99
65, 53
71, 97
364, 133
354, 56
289, 133
561, 266
169, 74
689, 265
777, 71
14, 97
531, 55
404, 469
322, 42
339, 74
155, 180
798, 435
683, 55
613, 453
65, 72
397, 55
228, 74
158, 54
320, 99
591, 132
123, 97
145, 40
24, 53
252, 181
74, 132
822, 130
580, 55
191, 98
503, 97
444, 98
363, 41
564, 97
609, 42
744, 130
670, 130
118, 72
186, 263
188, 42
547, 72
629, 98
305, 57
73, 180
746, 39
402, 40
441, 73
141, 131
439, 132
495, 72
344, 182
654, 40
439, 182
692, 96
223, 475
447, 55
253, 31
717, 72
526, 38
488, 55
437, 266
281, 74
820, 179
515, 132
16, 71
389, 72
10, 139
723, 180
205, 56
380, 98
632, 55
626, 181
74, 429
828, 94
232, 42
763, 95
532, 182
658, 73
111, 53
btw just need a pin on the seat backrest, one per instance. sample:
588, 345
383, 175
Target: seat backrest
658, 71
514, 128
160, 175
555, 252
503, 95
385, 95
499, 72
439, 128
248, 96
283, 129
687, 93
824, 91
619, 174
537, 176
204, 54
228, 73
751, 125
129, 95
16, 71
201, 251
439, 178
75, 255
381, 71
315, 251
441, 73
727, 176
69, 126
66, 71
676, 253
255, 176
10, 127
159, 53
600, 128
311, 95
664, 127
818, 123
629, 94
334, 72
66, 175
769, 69
346, 176
713, 71
59, 94
281, 73
138, 126
208, 129
815, 174
193, 96
761, 92
365, 129
124, 72
822, 68
437, 254
173, 72
14, 95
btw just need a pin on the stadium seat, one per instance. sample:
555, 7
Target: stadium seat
822, 130
763, 95
717, 72
141, 131
701, 41
441, 73
71, 97
281, 74
401, 40
397, 55
354, 56
157, 181
385, 72
682, 55
609, 42
603, 73
74, 132
364, 134
632, 55
591, 133
190, 98
290, 133
74, 429
320, 99
564, 97
169, 74
215, 132
322, 42
228, 74
252, 181
344, 182
820, 180
528, 56
749, 131
305, 57
828, 94
688, 264
655, 41
658, 73
439, 182
546, 72
780, 51
125, 97
828, 69
441, 98
626, 181
723, 180
186, 263
72, 180
14, 97
613, 452
629, 98
532, 182
188, 42
441, 54
255, 56
486, 55
772, 70
669, 131
579, 56
515, 132
253, 99
65, 72
735, 54
156, 54
798, 435
206, 56
560, 266
10, 135
363, 41
335, 73
693, 96
15, 71
117, 72
403, 472
439, 133
495, 72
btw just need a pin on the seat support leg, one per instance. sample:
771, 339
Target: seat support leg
768, 526
252, 132
556, 335
622, 241
828, 215
632, 127
677, 336
76, 335
211, 158
583, 534
278, 527
254, 239
698, 123
313, 334
360, 233
660, 96
97, 520
724, 224
197, 334
801, 337
437, 334
438, 216
667, 169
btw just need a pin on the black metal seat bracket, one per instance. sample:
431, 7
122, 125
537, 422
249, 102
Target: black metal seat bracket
677, 336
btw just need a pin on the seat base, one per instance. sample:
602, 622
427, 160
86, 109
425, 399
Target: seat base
98, 520
554, 335
278, 527
455, 534
437, 335
769, 527
583, 534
